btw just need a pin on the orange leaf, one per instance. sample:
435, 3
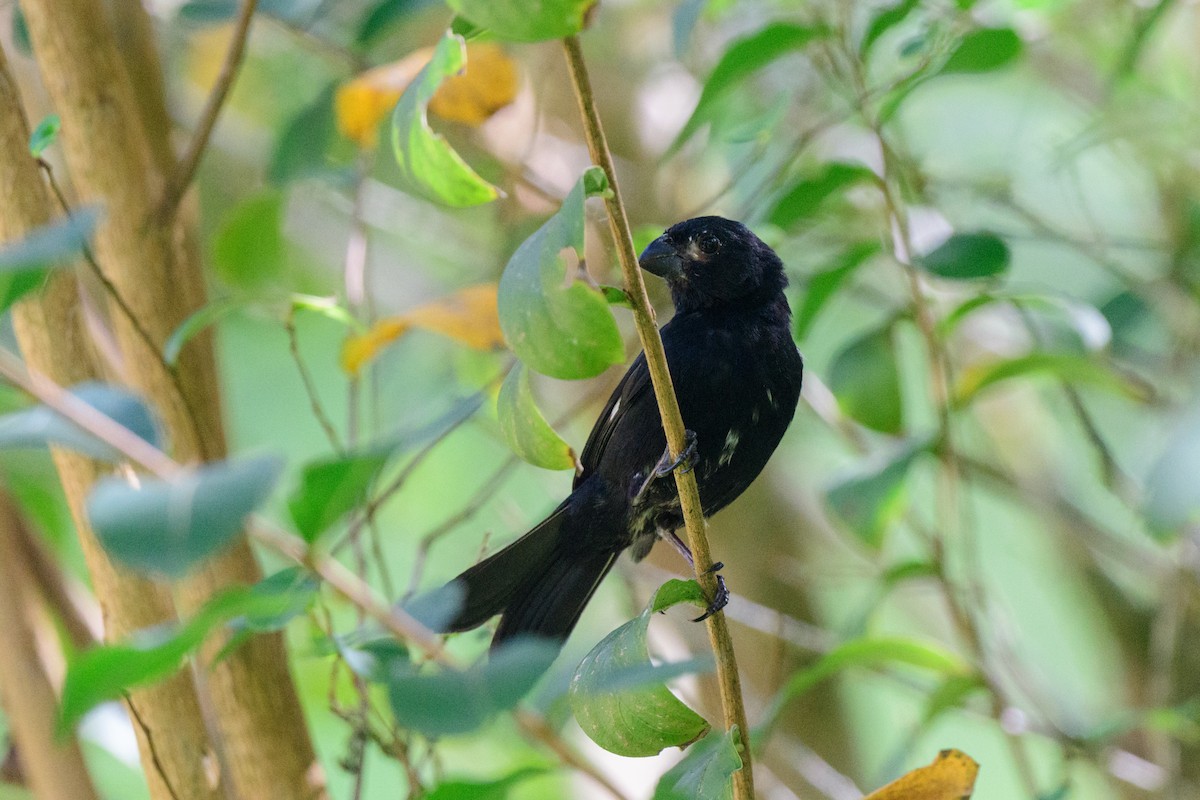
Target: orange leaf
488, 83
951, 776
468, 316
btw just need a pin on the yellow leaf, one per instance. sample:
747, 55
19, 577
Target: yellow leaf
468, 316
951, 776
362, 103
488, 83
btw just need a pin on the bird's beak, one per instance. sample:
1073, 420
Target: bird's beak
661, 259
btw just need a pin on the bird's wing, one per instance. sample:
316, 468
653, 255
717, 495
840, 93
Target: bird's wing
634, 389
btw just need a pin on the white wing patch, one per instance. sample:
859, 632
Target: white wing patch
731, 442
616, 407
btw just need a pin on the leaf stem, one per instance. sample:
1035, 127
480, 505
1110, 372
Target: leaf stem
733, 708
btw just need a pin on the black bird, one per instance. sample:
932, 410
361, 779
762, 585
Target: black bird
737, 376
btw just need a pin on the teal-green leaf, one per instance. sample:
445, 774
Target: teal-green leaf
559, 328
526, 20
968, 255
705, 773
39, 426
331, 487
23, 263
825, 284
44, 135
525, 429
104, 672
870, 501
642, 720
1069, 367
450, 701
866, 381
1172, 497
743, 58
984, 50
807, 195
429, 166
869, 652
167, 527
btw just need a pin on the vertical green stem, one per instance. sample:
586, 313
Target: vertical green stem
733, 708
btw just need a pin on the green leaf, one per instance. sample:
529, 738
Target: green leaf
984, 50
950, 694
866, 381
616, 296
968, 255
167, 527
871, 653
1064, 366
331, 487
105, 672
561, 329
1172, 497
450, 701
526, 20
743, 58
40, 427
301, 148
23, 263
807, 195
869, 502
883, 21
44, 135
20, 33
429, 166
198, 321
705, 773
824, 285
641, 721
525, 429
489, 790
249, 249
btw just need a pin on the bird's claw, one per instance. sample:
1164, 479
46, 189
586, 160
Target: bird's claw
720, 599
685, 462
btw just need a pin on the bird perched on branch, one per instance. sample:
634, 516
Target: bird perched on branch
737, 375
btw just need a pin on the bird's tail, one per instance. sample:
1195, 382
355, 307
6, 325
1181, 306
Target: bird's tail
538, 583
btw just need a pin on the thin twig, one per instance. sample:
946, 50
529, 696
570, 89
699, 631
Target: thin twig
310, 386
185, 170
732, 705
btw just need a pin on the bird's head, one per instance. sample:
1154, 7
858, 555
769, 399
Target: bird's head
712, 261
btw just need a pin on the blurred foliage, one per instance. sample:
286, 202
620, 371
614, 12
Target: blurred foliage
981, 530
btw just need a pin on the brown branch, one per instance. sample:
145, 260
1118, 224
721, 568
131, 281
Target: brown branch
185, 170
732, 705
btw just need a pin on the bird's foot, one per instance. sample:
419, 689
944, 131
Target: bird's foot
720, 599
685, 462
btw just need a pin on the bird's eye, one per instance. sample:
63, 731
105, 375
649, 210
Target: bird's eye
709, 244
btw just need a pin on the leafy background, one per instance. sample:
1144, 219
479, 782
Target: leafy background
1023, 589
